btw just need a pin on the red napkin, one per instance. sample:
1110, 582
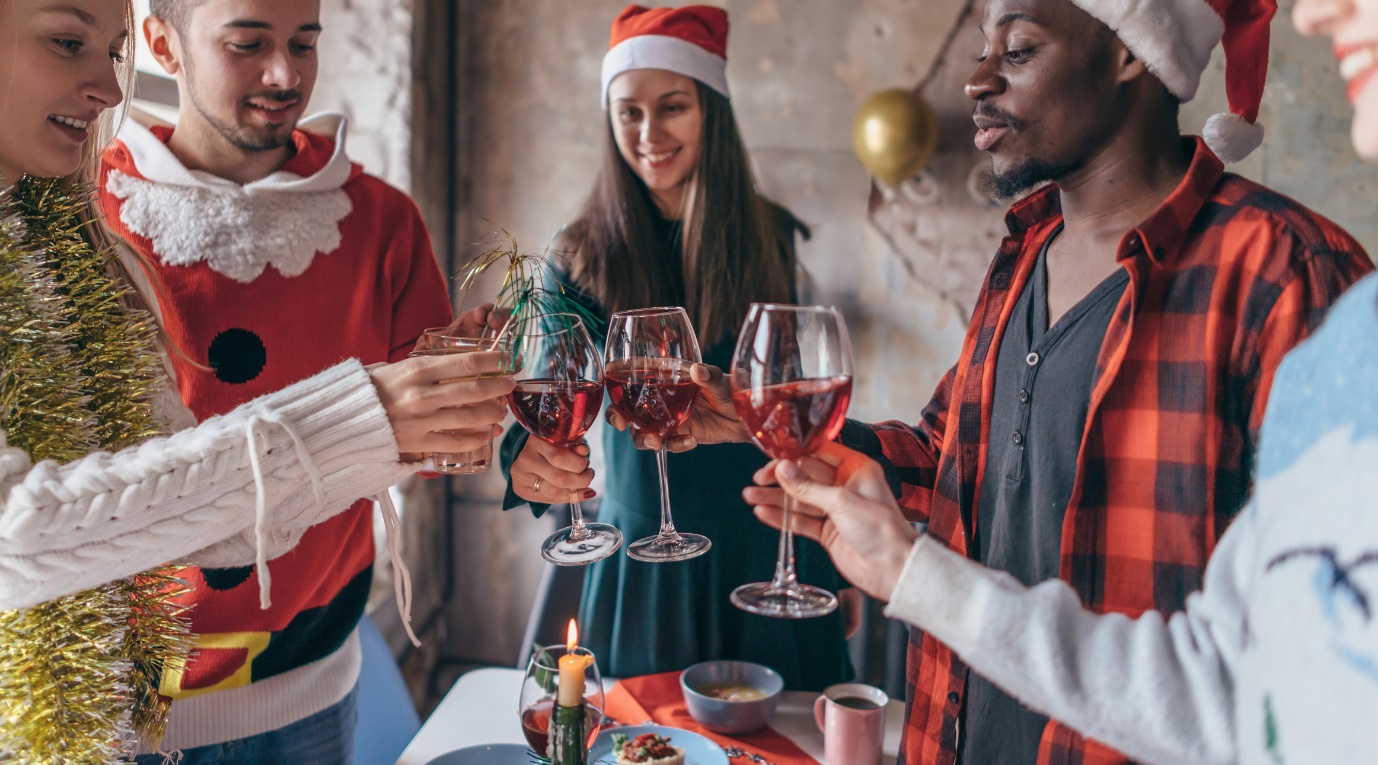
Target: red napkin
658, 698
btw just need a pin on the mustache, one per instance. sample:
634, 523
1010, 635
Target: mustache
993, 112
280, 96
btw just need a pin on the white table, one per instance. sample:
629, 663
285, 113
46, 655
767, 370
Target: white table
482, 709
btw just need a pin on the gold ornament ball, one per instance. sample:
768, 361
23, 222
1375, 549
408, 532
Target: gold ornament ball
895, 134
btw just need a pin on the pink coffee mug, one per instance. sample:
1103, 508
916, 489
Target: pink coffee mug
852, 718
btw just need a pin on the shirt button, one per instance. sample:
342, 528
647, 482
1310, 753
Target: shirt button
1018, 438
1032, 359
953, 698
1023, 397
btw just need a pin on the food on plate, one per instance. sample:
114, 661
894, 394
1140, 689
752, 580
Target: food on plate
646, 749
731, 691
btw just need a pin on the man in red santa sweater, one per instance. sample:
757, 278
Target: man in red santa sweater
277, 257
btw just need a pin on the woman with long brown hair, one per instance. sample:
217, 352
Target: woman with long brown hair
675, 219
93, 488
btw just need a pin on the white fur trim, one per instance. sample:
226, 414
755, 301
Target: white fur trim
236, 232
1231, 137
668, 53
156, 162
1174, 38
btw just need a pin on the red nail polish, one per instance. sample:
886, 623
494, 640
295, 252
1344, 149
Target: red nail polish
589, 493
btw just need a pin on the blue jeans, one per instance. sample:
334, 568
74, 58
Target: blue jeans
325, 738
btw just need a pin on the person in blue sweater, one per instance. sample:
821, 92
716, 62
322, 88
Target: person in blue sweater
675, 219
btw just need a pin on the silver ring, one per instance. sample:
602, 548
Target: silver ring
536, 487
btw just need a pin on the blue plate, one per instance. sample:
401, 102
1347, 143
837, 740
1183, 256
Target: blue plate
487, 754
697, 749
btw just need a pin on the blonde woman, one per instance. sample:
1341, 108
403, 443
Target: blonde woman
236, 490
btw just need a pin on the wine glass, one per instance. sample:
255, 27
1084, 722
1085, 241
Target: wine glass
541, 687
439, 342
649, 353
558, 395
791, 382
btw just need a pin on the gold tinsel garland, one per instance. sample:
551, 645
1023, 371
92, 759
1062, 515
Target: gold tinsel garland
79, 371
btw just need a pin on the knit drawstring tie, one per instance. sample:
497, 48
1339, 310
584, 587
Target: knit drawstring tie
401, 575
255, 429
256, 426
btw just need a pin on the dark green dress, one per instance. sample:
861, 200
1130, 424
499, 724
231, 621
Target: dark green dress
643, 618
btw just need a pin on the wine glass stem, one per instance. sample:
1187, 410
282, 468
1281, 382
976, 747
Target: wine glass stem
667, 524
785, 578
577, 528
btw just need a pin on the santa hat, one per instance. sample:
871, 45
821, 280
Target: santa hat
1174, 39
691, 41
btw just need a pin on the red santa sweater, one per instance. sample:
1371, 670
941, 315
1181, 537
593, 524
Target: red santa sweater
266, 284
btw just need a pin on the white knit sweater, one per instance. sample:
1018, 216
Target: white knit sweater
236, 490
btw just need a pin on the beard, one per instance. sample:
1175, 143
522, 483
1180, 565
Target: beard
1029, 172
1024, 176
242, 137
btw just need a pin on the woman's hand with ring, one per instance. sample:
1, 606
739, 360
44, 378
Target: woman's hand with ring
549, 474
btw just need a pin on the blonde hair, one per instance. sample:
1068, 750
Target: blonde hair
87, 175
97, 231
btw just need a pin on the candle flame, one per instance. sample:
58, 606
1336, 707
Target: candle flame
573, 641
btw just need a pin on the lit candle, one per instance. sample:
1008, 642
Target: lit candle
572, 668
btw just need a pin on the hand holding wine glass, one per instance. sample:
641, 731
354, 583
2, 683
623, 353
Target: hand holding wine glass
544, 472
843, 502
459, 393
442, 341
713, 420
649, 353
791, 383
559, 390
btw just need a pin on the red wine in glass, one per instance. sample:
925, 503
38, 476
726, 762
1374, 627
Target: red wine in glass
648, 355
557, 398
556, 411
792, 420
791, 383
536, 724
655, 395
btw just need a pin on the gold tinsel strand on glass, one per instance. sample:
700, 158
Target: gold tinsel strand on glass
78, 370
523, 295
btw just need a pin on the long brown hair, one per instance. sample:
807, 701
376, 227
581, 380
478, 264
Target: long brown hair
737, 245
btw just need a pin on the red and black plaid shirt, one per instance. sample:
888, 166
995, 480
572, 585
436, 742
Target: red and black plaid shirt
1225, 278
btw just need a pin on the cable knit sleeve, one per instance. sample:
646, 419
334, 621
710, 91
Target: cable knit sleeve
1160, 690
230, 491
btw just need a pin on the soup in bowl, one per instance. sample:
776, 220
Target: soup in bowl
731, 696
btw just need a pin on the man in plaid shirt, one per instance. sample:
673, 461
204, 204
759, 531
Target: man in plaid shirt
1100, 425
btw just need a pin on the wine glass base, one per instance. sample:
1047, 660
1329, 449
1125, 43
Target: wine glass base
798, 601
659, 549
600, 542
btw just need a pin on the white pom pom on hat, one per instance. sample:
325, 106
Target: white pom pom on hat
1232, 137
1174, 39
